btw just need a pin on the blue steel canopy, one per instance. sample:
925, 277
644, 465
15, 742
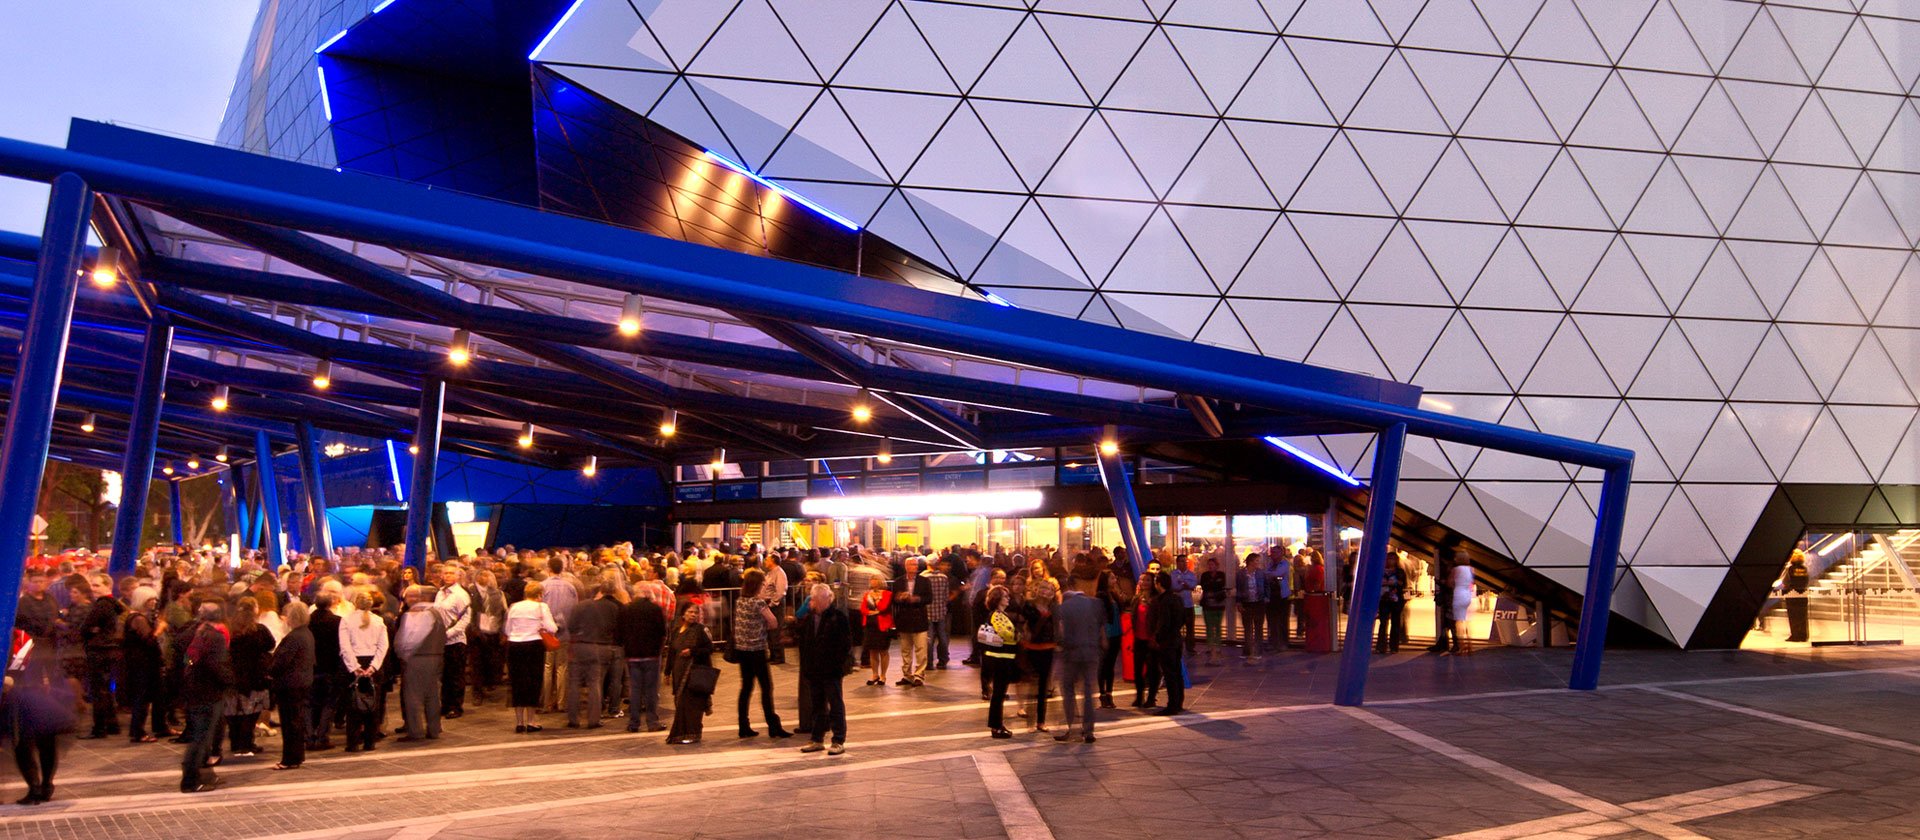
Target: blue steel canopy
269, 267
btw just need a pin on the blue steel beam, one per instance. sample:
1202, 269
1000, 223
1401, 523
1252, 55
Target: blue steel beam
176, 514
1594, 613
411, 218
269, 499
1133, 532
314, 483
426, 438
367, 276
23, 451
857, 371
143, 436
1350, 687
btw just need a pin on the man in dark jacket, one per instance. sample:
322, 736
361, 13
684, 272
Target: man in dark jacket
1165, 619
205, 687
642, 635
329, 674
292, 677
912, 594
824, 638
100, 632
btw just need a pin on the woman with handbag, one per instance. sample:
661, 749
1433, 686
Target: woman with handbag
530, 632
363, 649
694, 676
252, 652
998, 638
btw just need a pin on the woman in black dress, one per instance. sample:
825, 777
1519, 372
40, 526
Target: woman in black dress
252, 652
690, 646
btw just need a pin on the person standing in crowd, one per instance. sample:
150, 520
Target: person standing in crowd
485, 647
1163, 616
1393, 604
206, 688
825, 640
1213, 606
1081, 631
752, 621
976, 592
250, 647
421, 644
1443, 602
37, 708
594, 627
692, 650
142, 666
1185, 581
642, 631
774, 589
1039, 642
940, 590
329, 672
100, 632
529, 623
1794, 581
38, 613
457, 608
876, 624
999, 641
1250, 587
363, 650
292, 675
1107, 591
1461, 580
1280, 600
1146, 666
561, 596
911, 597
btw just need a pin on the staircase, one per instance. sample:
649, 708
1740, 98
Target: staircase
1886, 572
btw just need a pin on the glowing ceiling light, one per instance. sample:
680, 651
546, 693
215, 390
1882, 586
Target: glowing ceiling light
863, 407
87, 423
106, 267
323, 375
460, 347
193, 463
221, 456
526, 435
985, 503
168, 469
631, 313
884, 454
719, 459
669, 423
220, 395
1109, 441
592, 466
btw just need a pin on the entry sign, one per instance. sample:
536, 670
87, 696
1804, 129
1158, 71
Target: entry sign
39, 525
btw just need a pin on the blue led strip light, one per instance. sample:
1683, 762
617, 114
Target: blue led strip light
557, 26
783, 191
326, 102
1316, 463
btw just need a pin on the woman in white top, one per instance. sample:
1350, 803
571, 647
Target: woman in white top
1462, 582
363, 647
527, 619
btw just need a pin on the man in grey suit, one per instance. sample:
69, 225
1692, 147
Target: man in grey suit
421, 642
1082, 635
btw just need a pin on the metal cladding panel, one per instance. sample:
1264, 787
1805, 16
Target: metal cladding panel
1679, 228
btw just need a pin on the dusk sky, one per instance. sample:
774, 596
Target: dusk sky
165, 65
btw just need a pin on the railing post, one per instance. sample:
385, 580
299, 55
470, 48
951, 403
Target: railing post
143, 434
426, 438
1350, 687
269, 498
36, 382
1596, 604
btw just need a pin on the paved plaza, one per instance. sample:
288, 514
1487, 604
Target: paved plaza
1677, 745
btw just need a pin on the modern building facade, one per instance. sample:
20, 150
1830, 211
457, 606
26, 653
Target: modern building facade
1682, 227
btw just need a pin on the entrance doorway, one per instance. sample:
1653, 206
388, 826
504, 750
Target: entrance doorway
1863, 589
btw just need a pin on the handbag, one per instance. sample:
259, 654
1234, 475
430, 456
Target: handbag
549, 641
365, 696
701, 680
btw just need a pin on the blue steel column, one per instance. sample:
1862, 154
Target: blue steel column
250, 511
1597, 606
426, 437
269, 498
176, 512
143, 434
1350, 687
230, 495
310, 479
36, 382
1113, 474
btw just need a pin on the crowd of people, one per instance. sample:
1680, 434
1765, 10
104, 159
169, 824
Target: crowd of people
211, 654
